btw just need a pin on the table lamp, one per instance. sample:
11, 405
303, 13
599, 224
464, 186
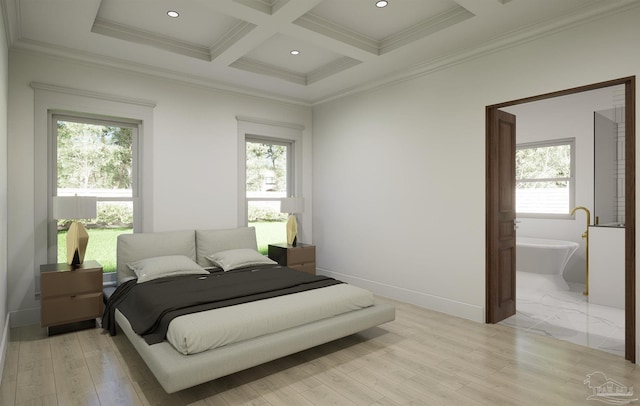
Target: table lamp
75, 208
292, 205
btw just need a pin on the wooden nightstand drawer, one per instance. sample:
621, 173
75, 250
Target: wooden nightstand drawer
67, 283
69, 309
309, 267
70, 297
301, 257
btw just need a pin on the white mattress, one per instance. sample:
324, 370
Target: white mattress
198, 332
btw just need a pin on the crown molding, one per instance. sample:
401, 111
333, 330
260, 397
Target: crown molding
331, 68
316, 75
127, 33
594, 11
410, 34
263, 121
251, 65
229, 38
10, 16
119, 65
337, 32
425, 28
509, 40
264, 6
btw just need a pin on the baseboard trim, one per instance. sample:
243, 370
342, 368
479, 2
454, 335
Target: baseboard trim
26, 317
432, 302
4, 343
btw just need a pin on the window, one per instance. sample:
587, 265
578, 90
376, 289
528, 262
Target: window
267, 181
96, 158
96, 107
545, 178
270, 162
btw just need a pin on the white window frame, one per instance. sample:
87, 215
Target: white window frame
59, 99
571, 179
53, 170
256, 129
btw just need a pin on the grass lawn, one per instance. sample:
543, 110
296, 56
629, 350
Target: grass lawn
102, 242
269, 232
101, 247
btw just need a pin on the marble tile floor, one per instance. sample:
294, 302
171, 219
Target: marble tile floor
544, 309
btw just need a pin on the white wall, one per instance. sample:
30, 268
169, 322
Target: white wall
399, 172
4, 77
194, 150
568, 116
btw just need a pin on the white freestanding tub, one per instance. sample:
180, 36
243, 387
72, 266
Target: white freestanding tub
546, 258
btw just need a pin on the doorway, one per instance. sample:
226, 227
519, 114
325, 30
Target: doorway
500, 207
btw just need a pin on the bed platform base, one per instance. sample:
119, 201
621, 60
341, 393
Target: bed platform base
175, 371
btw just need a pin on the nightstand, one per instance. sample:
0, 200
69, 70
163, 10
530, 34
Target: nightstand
301, 257
70, 296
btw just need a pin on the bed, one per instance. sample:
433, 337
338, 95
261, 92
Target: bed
249, 333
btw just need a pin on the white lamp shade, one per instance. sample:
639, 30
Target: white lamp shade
292, 205
74, 207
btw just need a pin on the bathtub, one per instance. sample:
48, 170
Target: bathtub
545, 258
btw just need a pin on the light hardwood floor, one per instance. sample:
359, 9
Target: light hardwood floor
422, 358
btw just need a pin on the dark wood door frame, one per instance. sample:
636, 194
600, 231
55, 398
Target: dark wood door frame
630, 200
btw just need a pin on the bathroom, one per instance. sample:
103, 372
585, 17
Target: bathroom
558, 299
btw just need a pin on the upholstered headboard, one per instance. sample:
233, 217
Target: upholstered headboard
211, 241
195, 244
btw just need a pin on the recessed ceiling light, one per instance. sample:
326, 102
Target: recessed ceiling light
295, 52
382, 3
173, 14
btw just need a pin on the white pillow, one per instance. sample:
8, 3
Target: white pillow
160, 267
238, 258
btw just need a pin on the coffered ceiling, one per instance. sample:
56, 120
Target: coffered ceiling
245, 45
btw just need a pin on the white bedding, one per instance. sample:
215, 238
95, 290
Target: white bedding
198, 332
